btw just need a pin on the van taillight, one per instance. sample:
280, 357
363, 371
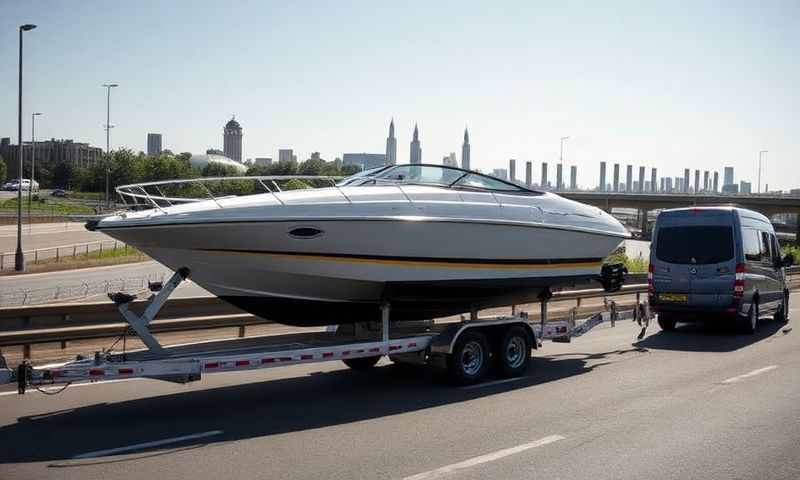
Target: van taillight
651, 289
738, 282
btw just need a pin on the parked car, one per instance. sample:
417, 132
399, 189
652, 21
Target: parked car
26, 184
59, 192
11, 186
716, 263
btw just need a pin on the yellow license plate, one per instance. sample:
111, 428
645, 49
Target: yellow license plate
673, 297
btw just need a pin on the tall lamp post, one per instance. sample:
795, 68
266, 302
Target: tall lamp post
108, 87
761, 152
19, 257
33, 161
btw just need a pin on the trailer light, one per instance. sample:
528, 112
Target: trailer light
212, 365
327, 355
97, 371
267, 360
306, 357
242, 363
125, 371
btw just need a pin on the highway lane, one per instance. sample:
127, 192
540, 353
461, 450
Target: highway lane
701, 402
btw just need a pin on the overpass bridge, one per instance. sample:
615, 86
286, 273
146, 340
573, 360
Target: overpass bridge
644, 202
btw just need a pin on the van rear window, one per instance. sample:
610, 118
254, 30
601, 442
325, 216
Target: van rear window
695, 244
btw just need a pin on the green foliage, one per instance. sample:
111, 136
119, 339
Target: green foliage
214, 169
793, 249
51, 206
634, 265
3, 170
295, 184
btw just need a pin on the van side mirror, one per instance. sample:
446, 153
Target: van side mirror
788, 260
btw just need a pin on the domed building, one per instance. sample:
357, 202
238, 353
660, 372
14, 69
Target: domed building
232, 140
200, 161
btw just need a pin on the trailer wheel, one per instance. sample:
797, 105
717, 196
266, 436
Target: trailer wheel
470, 358
667, 323
361, 364
514, 354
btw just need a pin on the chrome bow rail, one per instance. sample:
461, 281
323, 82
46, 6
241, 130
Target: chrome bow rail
152, 193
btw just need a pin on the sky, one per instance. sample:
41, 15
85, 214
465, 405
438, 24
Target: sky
671, 85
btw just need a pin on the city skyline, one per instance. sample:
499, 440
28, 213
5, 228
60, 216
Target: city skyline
643, 120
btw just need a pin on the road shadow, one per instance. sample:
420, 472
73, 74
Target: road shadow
254, 410
709, 337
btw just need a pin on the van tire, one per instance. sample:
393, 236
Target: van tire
782, 314
667, 323
750, 321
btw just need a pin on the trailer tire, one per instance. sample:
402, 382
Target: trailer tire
470, 359
514, 352
362, 363
666, 322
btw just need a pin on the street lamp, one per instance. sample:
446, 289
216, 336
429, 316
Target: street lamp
19, 257
761, 152
108, 87
33, 161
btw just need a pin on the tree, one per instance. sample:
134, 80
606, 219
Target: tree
312, 166
350, 169
214, 169
3, 170
64, 175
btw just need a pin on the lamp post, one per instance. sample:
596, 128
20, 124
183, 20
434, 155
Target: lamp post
761, 152
33, 161
108, 87
19, 257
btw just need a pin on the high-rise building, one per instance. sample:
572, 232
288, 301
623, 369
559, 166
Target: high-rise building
663, 183
465, 151
647, 186
391, 146
705, 181
500, 173
745, 187
602, 185
669, 184
544, 175
153, 144
512, 170
715, 186
685, 180
678, 184
573, 177
559, 177
641, 180
364, 160
286, 155
653, 179
416, 148
232, 140
696, 181
629, 179
727, 177
49, 154
263, 161
450, 160
528, 174
616, 177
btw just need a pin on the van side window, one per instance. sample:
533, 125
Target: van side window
751, 241
766, 247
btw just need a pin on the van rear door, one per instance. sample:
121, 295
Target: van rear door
695, 254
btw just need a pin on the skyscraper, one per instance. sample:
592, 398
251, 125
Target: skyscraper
465, 151
615, 187
512, 170
696, 181
654, 180
559, 177
450, 160
573, 177
154, 144
641, 180
705, 181
391, 146
528, 173
629, 178
602, 185
416, 148
685, 180
286, 155
232, 140
728, 176
544, 175
716, 182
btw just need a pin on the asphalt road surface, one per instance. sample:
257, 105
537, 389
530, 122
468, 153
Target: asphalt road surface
701, 402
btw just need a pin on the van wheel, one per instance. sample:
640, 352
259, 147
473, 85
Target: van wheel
750, 322
667, 323
782, 314
515, 352
470, 358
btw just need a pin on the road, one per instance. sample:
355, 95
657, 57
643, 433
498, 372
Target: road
46, 236
701, 402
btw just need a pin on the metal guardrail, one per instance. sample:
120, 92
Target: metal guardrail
51, 323
60, 253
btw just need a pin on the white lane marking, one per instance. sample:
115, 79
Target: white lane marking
140, 446
750, 374
489, 457
489, 384
59, 387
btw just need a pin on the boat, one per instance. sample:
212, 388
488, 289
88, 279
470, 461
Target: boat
430, 241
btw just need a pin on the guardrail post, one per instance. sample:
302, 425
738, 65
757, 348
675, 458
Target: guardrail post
26, 351
2, 262
241, 331
36, 256
578, 302
74, 251
100, 255
58, 258
63, 344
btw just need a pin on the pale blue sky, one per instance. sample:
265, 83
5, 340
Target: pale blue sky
668, 84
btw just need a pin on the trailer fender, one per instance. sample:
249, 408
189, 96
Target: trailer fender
446, 340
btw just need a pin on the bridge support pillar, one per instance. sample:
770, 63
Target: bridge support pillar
643, 219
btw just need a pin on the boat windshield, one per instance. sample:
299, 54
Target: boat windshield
438, 175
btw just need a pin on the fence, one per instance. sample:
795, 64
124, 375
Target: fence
64, 252
24, 297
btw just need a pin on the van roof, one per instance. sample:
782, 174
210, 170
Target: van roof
743, 212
